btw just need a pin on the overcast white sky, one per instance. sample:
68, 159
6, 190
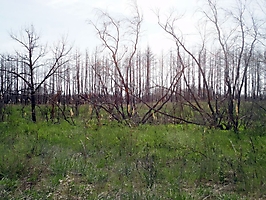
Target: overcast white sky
55, 18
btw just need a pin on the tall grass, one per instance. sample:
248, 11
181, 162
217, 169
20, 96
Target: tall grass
111, 161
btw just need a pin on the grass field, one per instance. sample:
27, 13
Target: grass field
110, 161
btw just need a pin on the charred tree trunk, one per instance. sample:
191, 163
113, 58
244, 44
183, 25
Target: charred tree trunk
33, 105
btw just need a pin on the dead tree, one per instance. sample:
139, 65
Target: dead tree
237, 45
120, 38
36, 58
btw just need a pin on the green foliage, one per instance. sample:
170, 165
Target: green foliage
110, 161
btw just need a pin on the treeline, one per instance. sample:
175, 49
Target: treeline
134, 86
148, 76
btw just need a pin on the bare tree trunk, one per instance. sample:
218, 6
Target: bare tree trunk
148, 74
33, 106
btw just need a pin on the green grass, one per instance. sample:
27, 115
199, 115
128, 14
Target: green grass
59, 161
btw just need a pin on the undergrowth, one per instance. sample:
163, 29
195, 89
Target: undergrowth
111, 161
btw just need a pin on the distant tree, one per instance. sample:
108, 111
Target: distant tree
38, 63
148, 64
6, 82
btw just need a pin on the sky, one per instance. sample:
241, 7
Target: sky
53, 19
